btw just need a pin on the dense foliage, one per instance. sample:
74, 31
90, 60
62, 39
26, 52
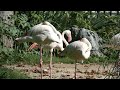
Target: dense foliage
6, 73
105, 25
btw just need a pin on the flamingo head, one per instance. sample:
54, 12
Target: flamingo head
68, 33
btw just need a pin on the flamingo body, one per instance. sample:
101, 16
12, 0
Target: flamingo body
44, 35
114, 42
41, 34
78, 50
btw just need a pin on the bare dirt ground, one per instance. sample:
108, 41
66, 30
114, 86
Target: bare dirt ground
64, 71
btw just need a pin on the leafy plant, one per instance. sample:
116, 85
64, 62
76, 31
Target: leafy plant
105, 25
10, 74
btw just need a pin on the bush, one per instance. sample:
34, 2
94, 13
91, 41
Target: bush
10, 74
105, 25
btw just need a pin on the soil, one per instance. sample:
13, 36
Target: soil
64, 71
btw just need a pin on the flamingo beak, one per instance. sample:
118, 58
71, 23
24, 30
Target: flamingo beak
69, 38
34, 45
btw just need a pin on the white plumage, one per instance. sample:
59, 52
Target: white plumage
115, 42
78, 50
45, 35
55, 45
41, 34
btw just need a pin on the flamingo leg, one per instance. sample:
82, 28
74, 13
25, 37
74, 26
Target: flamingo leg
75, 67
82, 62
41, 62
50, 66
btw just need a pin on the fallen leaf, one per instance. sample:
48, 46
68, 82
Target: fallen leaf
26, 70
85, 66
20, 65
36, 71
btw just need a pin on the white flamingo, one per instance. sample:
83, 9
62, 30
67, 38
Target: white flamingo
66, 32
45, 35
78, 50
81, 48
114, 43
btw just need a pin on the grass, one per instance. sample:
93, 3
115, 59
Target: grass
33, 58
6, 73
13, 56
100, 60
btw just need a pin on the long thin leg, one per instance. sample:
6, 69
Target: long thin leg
82, 62
41, 62
75, 67
50, 66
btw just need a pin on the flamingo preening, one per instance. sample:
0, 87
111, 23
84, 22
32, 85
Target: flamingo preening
45, 35
78, 50
66, 32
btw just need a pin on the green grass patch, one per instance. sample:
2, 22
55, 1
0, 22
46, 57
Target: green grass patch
15, 57
6, 73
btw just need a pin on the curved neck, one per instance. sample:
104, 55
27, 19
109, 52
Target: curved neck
54, 29
64, 40
86, 53
47, 23
88, 43
58, 34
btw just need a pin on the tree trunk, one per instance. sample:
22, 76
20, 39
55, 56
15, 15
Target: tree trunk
5, 16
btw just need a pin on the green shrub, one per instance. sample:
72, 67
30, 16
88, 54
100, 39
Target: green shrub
6, 73
105, 25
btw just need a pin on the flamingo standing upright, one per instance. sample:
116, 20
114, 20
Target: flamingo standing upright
66, 32
114, 42
45, 35
115, 45
78, 50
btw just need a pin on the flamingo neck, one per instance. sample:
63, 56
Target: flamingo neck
47, 23
88, 43
62, 49
24, 39
54, 29
86, 53
64, 40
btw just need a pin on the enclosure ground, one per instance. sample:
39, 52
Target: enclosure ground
64, 71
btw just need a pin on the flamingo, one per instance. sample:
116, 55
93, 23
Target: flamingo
114, 43
81, 48
45, 35
66, 32
77, 50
